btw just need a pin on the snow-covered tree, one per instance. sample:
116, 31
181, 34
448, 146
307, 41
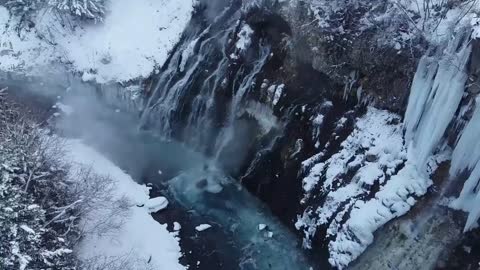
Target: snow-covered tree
84, 9
90, 9
32, 189
44, 203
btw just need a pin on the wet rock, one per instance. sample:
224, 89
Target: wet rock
474, 68
371, 158
202, 184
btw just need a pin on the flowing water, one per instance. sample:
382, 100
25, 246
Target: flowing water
195, 184
199, 98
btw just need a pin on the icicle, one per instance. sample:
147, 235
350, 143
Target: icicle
467, 151
469, 199
466, 156
436, 93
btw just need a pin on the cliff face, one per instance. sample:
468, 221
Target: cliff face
344, 117
365, 45
300, 101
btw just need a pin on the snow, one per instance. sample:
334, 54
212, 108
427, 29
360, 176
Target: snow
372, 132
244, 38
139, 235
274, 93
23, 259
393, 200
125, 48
318, 120
202, 227
401, 21
278, 94
156, 204
27, 229
20, 53
373, 153
177, 226
438, 26
437, 90
134, 39
68, 110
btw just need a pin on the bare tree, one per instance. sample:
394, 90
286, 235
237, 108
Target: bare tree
127, 261
46, 205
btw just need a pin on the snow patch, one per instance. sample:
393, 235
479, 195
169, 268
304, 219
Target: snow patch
202, 227
370, 156
156, 204
244, 38
140, 235
135, 38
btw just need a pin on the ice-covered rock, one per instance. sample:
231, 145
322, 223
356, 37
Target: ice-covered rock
202, 227
262, 227
156, 204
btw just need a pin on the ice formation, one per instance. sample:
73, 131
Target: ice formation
376, 176
437, 90
466, 156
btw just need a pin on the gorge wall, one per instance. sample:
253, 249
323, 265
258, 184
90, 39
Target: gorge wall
345, 117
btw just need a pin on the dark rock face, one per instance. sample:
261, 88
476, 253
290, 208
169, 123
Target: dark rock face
474, 68
246, 85
466, 254
348, 48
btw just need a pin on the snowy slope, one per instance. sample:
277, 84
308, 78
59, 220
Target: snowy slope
403, 20
134, 39
21, 53
368, 182
140, 240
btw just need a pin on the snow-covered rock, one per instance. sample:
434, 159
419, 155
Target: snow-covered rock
156, 204
262, 227
367, 161
202, 227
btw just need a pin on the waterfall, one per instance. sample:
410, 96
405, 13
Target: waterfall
184, 77
226, 135
199, 95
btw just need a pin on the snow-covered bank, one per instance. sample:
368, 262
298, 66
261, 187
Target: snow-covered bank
369, 160
134, 39
139, 241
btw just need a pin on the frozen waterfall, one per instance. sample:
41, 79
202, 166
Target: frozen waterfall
466, 156
437, 91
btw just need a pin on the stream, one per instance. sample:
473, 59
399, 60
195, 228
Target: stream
199, 192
